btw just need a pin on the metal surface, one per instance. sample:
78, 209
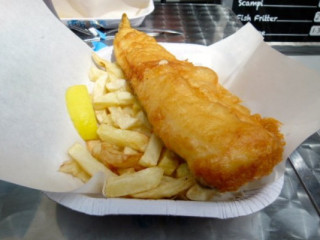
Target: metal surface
306, 162
200, 23
29, 214
148, 30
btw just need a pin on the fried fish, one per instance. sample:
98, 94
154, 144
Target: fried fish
224, 145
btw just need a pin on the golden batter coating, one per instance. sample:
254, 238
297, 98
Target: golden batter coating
224, 145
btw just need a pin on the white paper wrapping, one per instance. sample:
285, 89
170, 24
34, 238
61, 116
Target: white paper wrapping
43, 58
37, 65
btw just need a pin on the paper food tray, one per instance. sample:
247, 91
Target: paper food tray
252, 202
110, 18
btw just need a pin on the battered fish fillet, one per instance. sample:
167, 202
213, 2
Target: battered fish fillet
224, 145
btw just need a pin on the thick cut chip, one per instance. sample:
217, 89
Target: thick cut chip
96, 73
113, 156
151, 156
183, 170
130, 151
128, 184
94, 147
143, 120
123, 138
121, 118
117, 85
73, 168
123, 171
168, 162
198, 193
81, 111
110, 67
99, 87
87, 161
169, 187
113, 99
102, 116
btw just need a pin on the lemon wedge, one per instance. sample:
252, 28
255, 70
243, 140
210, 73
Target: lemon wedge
81, 111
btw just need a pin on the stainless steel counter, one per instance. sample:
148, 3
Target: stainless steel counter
29, 214
200, 24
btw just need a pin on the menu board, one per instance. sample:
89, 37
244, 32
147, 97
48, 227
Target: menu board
282, 20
